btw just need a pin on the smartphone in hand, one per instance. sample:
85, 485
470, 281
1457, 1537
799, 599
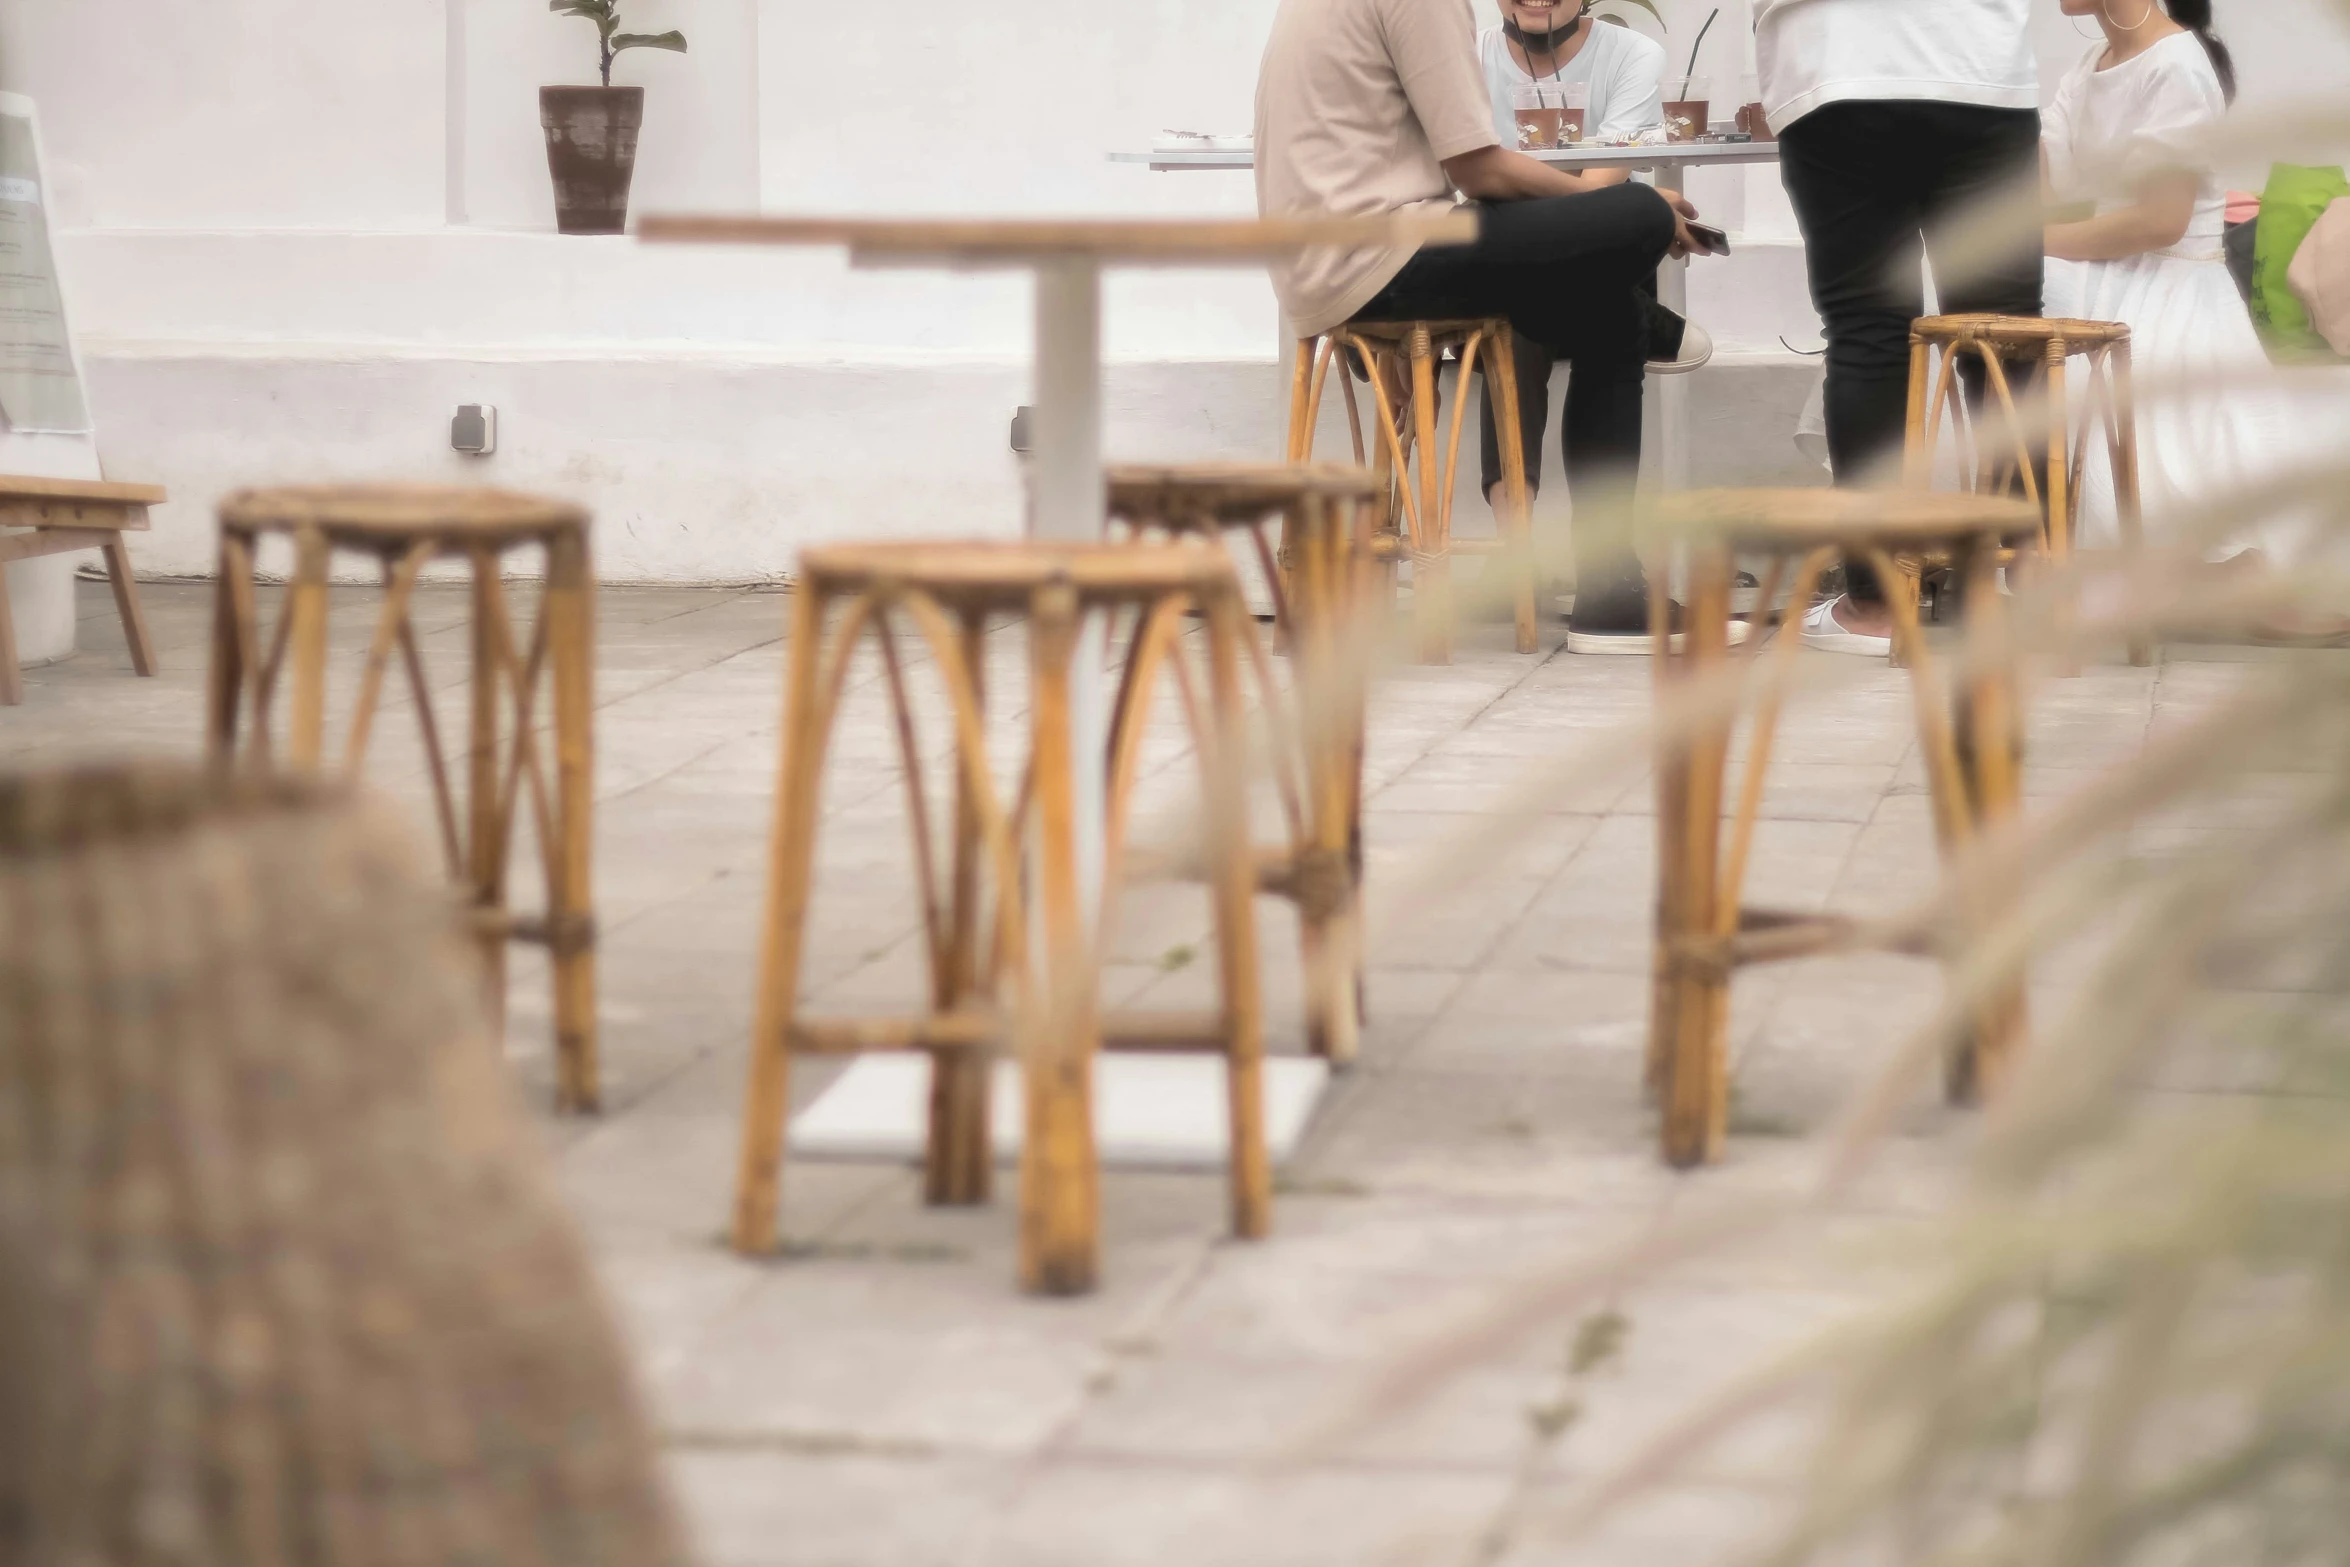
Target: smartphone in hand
1716, 242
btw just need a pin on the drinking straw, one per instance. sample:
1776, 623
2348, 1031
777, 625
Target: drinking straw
1690, 75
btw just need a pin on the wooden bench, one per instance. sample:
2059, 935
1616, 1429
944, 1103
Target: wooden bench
72, 514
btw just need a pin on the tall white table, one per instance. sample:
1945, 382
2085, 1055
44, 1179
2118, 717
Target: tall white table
1068, 258
1666, 460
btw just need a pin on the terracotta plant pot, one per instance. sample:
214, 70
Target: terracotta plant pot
591, 152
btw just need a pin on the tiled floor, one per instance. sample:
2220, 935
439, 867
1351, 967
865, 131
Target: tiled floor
884, 1398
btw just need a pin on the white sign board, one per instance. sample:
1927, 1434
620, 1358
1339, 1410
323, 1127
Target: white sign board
45, 429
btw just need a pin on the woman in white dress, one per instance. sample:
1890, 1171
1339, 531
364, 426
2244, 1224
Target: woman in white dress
2123, 133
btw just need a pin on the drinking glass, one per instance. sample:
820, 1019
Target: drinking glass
1538, 117
1685, 115
1750, 111
1575, 113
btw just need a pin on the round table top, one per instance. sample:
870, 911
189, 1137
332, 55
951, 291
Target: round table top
1790, 519
1024, 242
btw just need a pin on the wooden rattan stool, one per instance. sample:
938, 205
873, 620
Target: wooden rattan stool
2039, 348
987, 996
1972, 751
73, 514
406, 527
1401, 359
1319, 582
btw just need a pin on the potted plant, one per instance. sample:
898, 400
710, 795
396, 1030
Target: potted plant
591, 131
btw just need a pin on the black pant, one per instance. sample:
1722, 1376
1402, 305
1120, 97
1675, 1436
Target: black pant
1567, 271
1875, 185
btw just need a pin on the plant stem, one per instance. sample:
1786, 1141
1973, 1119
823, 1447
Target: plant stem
605, 44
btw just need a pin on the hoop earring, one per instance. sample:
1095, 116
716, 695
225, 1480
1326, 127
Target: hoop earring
2106, 8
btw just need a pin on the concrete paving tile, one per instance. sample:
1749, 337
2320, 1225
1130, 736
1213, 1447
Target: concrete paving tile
884, 1394
1206, 1407
1667, 1526
1122, 1515
789, 1504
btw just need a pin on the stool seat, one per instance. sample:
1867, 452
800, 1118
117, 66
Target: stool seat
2006, 445
1401, 331
103, 492
57, 516
2078, 336
522, 666
363, 514
1232, 494
1795, 520
1400, 360
1007, 572
1319, 580
1969, 740
1008, 911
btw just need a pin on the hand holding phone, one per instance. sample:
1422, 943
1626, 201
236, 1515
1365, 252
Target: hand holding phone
1716, 242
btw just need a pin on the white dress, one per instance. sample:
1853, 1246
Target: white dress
2210, 418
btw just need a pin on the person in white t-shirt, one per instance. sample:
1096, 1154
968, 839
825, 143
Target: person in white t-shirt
1559, 41
1556, 41
1898, 120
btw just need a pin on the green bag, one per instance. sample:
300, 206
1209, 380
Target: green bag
2289, 208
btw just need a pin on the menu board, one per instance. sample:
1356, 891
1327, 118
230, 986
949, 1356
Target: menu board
40, 390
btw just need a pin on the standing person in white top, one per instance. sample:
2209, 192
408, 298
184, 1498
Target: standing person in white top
1559, 41
1896, 120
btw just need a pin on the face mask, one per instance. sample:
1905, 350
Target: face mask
1540, 43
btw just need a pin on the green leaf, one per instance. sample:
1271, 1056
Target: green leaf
671, 40
597, 11
1646, 5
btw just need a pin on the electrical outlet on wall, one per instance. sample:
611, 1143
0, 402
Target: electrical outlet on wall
475, 429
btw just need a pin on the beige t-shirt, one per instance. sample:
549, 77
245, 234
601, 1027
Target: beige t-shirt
1359, 102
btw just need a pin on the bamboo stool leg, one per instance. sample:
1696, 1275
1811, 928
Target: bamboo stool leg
1501, 373
11, 676
1432, 549
2062, 502
1917, 449
2121, 415
1991, 716
1301, 389
126, 606
485, 836
1328, 899
306, 611
959, 1165
1236, 936
758, 1193
1672, 788
1695, 1020
1059, 1217
569, 608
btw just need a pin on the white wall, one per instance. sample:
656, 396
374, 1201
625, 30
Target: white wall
298, 232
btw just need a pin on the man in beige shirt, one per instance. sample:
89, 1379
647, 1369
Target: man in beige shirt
1375, 106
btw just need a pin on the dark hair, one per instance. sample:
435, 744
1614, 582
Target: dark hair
2195, 17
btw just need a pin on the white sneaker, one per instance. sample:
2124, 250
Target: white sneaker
1640, 643
1822, 630
1697, 346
